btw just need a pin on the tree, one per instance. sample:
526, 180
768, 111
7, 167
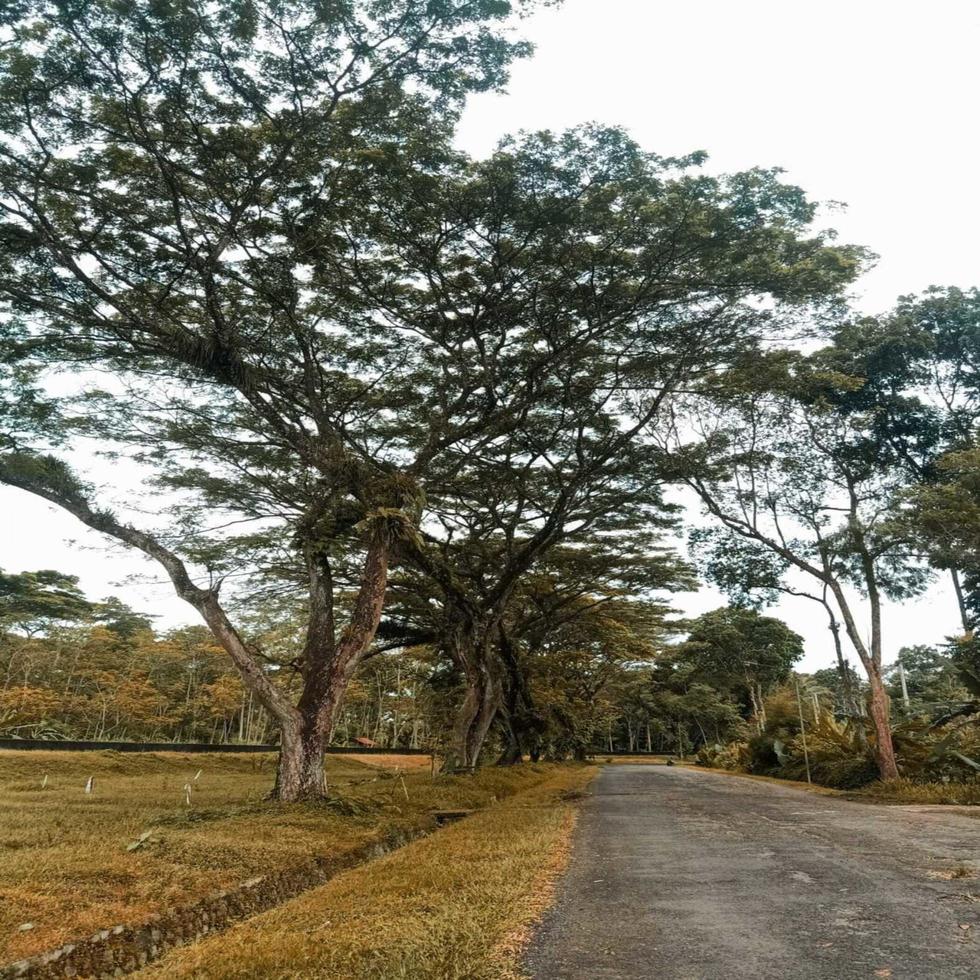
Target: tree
943, 517
161, 169
780, 467
753, 576
919, 368
312, 317
614, 272
681, 709
738, 650
931, 679
577, 674
597, 597
34, 601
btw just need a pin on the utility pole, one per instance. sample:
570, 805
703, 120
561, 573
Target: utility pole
905, 687
806, 754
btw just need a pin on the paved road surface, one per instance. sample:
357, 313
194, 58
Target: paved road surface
684, 875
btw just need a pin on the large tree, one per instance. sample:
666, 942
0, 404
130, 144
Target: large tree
775, 462
315, 317
595, 281
174, 179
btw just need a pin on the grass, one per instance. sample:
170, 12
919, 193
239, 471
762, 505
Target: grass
635, 760
454, 906
66, 870
907, 791
897, 791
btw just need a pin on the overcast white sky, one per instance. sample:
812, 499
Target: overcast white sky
869, 102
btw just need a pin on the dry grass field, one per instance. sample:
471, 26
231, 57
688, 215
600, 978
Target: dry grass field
457, 905
67, 862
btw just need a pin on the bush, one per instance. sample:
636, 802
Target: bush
733, 756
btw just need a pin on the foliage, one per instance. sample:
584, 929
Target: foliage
211, 169
840, 753
740, 649
32, 601
932, 680
86, 681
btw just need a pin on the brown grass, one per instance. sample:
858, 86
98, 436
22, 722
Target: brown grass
897, 791
907, 791
453, 906
65, 869
385, 761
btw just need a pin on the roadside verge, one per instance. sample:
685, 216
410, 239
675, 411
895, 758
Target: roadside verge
454, 905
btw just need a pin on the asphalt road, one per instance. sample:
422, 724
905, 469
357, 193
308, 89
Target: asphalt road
678, 874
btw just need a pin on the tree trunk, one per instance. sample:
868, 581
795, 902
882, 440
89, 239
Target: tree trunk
884, 747
474, 718
470, 646
300, 775
520, 720
329, 665
960, 601
512, 754
760, 723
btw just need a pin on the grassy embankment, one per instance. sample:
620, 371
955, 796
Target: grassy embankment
907, 791
454, 906
896, 791
66, 869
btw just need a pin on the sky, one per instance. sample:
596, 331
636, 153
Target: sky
869, 102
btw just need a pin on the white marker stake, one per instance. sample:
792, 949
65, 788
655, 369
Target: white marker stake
187, 793
44, 782
198, 776
89, 784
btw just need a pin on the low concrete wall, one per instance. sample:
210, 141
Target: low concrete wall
123, 949
55, 745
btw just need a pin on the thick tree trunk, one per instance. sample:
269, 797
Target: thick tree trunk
884, 746
300, 774
473, 721
328, 665
470, 645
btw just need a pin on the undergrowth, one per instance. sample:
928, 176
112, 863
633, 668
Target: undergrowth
937, 764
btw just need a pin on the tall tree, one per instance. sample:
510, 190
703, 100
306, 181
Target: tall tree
738, 650
595, 281
919, 368
777, 465
753, 576
318, 319
161, 169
